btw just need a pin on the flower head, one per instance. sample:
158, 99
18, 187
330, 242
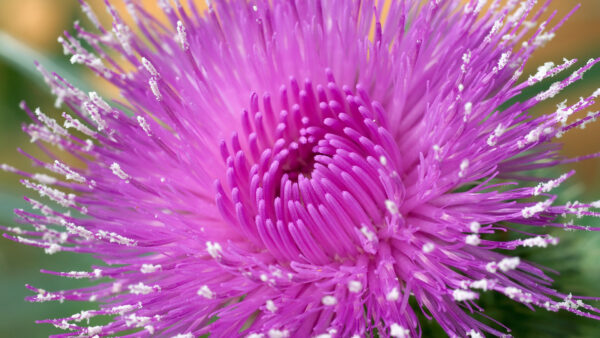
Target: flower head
304, 168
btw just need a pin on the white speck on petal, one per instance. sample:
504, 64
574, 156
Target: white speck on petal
182, 36
142, 289
428, 247
462, 295
116, 169
475, 226
274, 333
464, 165
149, 67
539, 241
472, 240
214, 249
503, 60
270, 305
329, 300
149, 268
354, 286
393, 295
468, 109
509, 263
391, 207
183, 335
255, 335
548, 186
205, 292
482, 284
144, 124
539, 207
397, 331
474, 334
154, 87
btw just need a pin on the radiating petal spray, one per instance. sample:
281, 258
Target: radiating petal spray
304, 168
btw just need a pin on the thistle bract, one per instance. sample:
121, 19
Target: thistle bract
304, 168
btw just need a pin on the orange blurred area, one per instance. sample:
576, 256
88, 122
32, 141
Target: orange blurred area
577, 38
30, 22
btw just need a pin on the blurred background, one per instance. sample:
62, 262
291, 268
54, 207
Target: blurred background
28, 31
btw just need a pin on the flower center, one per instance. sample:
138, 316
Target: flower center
320, 181
300, 159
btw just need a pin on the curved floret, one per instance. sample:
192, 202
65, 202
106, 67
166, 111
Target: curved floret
305, 168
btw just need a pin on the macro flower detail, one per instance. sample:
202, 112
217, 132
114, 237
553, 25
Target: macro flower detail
304, 168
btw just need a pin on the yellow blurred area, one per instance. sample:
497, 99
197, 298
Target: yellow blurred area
35, 22
577, 38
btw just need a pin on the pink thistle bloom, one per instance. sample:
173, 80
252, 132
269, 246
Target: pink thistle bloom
305, 168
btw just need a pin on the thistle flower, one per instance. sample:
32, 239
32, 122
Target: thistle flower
305, 168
